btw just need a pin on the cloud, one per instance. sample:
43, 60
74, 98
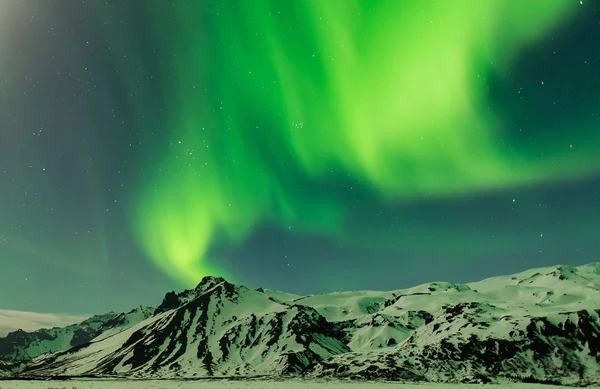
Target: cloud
31, 321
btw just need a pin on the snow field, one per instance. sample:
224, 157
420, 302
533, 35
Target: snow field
248, 384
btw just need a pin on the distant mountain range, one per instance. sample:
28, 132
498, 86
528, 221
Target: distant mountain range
540, 325
21, 346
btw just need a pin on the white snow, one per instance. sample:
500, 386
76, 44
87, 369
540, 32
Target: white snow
394, 326
247, 384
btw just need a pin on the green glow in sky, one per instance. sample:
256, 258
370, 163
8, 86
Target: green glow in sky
264, 96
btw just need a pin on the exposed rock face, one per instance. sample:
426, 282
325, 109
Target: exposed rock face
541, 325
4, 368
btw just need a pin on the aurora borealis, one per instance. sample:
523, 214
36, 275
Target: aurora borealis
303, 145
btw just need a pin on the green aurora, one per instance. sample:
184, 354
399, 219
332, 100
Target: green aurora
259, 96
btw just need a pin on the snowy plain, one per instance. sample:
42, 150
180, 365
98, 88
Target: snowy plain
251, 384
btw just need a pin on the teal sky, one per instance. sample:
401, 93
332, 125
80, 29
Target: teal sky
304, 145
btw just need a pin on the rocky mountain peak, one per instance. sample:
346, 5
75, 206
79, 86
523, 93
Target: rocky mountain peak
209, 282
173, 300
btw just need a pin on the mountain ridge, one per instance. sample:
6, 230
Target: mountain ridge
20, 346
540, 325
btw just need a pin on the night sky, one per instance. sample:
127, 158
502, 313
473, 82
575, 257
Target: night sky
302, 145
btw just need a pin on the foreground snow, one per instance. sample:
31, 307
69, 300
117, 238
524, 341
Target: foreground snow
245, 384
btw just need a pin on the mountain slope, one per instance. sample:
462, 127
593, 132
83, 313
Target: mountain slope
20, 346
540, 325
4, 368
216, 329
537, 325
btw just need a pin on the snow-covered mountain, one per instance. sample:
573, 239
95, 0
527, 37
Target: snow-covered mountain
20, 346
216, 329
540, 325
